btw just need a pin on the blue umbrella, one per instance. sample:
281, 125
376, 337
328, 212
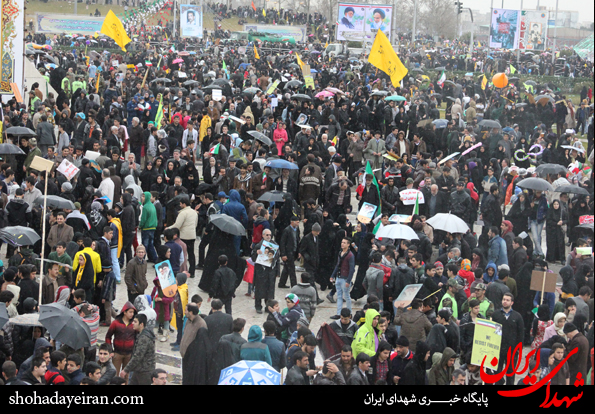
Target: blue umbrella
440, 123
281, 164
249, 373
508, 129
395, 98
313, 71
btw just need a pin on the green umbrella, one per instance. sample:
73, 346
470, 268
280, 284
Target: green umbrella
397, 98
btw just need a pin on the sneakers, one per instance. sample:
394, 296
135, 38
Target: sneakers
330, 298
164, 338
319, 301
335, 317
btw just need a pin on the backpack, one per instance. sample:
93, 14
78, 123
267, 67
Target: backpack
386, 270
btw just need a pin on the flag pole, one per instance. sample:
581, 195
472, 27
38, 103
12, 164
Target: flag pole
45, 204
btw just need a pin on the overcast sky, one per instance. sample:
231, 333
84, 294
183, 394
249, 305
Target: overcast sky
585, 7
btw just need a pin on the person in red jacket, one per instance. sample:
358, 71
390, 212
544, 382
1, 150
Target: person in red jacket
467, 274
123, 335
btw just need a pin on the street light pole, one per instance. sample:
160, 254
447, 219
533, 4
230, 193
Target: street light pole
518, 51
472, 30
555, 37
414, 21
175, 18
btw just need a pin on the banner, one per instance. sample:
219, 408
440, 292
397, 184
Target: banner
409, 196
505, 29
66, 23
486, 342
12, 46
68, 169
359, 22
297, 32
533, 30
190, 20
586, 219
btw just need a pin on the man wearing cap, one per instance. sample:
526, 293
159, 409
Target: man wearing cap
486, 307
578, 363
288, 247
33, 152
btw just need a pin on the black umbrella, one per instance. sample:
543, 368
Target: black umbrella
450, 82
537, 184
440, 68
572, 189
545, 169
20, 132
190, 82
221, 81
259, 136
489, 123
277, 196
293, 65
301, 97
19, 236
228, 224
65, 326
437, 95
293, 84
3, 315
164, 80
10, 149
55, 202
211, 87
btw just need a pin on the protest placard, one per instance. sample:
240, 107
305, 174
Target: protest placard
68, 169
410, 195
487, 339
366, 213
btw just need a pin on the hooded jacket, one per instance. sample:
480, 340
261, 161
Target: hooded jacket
486, 278
441, 373
16, 211
415, 371
127, 217
569, 286
254, 349
307, 295
123, 334
148, 218
143, 353
366, 338
235, 208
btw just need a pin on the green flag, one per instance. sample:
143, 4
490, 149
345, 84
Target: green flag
528, 88
370, 172
159, 115
512, 70
416, 208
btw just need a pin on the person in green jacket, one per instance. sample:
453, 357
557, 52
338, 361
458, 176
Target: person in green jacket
255, 349
366, 338
148, 225
66, 86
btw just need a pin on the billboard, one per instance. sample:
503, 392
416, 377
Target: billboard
360, 21
505, 29
65, 23
533, 30
297, 32
190, 20
12, 46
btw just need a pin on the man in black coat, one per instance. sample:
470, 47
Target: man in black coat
309, 251
434, 203
491, 214
288, 247
390, 197
337, 193
218, 322
518, 257
369, 193
461, 204
513, 329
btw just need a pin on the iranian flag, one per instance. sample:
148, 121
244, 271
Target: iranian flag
172, 49
148, 63
215, 149
442, 79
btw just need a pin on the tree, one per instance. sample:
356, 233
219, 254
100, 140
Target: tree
437, 18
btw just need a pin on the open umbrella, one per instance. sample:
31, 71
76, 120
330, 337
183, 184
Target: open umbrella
570, 147
324, 94
450, 82
544, 99
228, 224
531, 82
437, 95
534, 183
253, 90
572, 189
545, 169
294, 66
211, 87
10, 149
379, 93
448, 222
440, 123
183, 53
396, 98
65, 325
397, 232
178, 60
259, 136
26, 319
55, 202
3, 315
164, 80
18, 131
249, 373
19, 235
489, 123
301, 97
281, 164
293, 84
334, 90
221, 81
274, 195
190, 82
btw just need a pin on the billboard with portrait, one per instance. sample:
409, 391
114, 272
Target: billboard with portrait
12, 47
533, 30
190, 20
356, 22
505, 29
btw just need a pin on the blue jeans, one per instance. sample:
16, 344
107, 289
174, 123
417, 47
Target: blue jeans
536, 230
116, 264
148, 237
342, 290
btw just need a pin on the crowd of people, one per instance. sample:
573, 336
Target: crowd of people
167, 152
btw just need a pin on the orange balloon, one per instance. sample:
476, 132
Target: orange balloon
500, 80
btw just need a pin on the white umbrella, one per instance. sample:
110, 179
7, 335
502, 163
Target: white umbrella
397, 232
570, 147
451, 156
448, 222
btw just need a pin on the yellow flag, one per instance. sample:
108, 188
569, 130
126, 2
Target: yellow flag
384, 58
299, 61
112, 27
478, 44
97, 84
264, 13
326, 44
484, 82
256, 55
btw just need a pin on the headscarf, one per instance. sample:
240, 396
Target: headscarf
560, 331
62, 295
81, 269
95, 213
543, 313
466, 265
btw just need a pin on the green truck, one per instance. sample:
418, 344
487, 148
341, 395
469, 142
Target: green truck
263, 37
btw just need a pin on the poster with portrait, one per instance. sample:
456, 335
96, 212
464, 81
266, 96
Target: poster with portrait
533, 30
190, 20
407, 295
366, 213
357, 22
505, 29
167, 279
269, 250
12, 48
